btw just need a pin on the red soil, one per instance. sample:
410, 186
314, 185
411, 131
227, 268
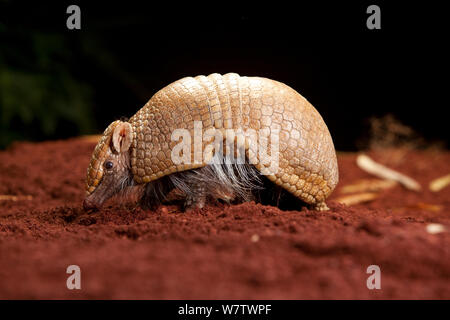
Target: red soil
246, 251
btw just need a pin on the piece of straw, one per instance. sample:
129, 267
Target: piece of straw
439, 183
353, 199
8, 197
435, 228
368, 185
380, 171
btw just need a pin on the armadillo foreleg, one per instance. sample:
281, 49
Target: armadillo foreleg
154, 193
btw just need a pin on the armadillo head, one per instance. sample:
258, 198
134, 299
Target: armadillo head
109, 170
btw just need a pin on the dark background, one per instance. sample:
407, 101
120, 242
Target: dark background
57, 83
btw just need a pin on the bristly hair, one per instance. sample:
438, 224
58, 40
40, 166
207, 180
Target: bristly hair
237, 181
223, 178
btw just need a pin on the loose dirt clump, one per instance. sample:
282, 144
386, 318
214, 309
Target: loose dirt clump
243, 251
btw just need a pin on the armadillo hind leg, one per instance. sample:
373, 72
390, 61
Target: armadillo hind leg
321, 206
197, 198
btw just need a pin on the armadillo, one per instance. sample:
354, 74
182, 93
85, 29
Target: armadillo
139, 152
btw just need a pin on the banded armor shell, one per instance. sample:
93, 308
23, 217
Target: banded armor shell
307, 159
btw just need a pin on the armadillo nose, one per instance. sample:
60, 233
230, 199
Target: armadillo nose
89, 205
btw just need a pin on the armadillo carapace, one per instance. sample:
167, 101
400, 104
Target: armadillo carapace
140, 151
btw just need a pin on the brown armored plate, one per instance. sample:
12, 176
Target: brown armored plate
306, 165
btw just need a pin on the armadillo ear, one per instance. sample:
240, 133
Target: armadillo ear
122, 137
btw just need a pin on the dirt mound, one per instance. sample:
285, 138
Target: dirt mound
228, 252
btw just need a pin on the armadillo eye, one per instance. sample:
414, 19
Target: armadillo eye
108, 165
